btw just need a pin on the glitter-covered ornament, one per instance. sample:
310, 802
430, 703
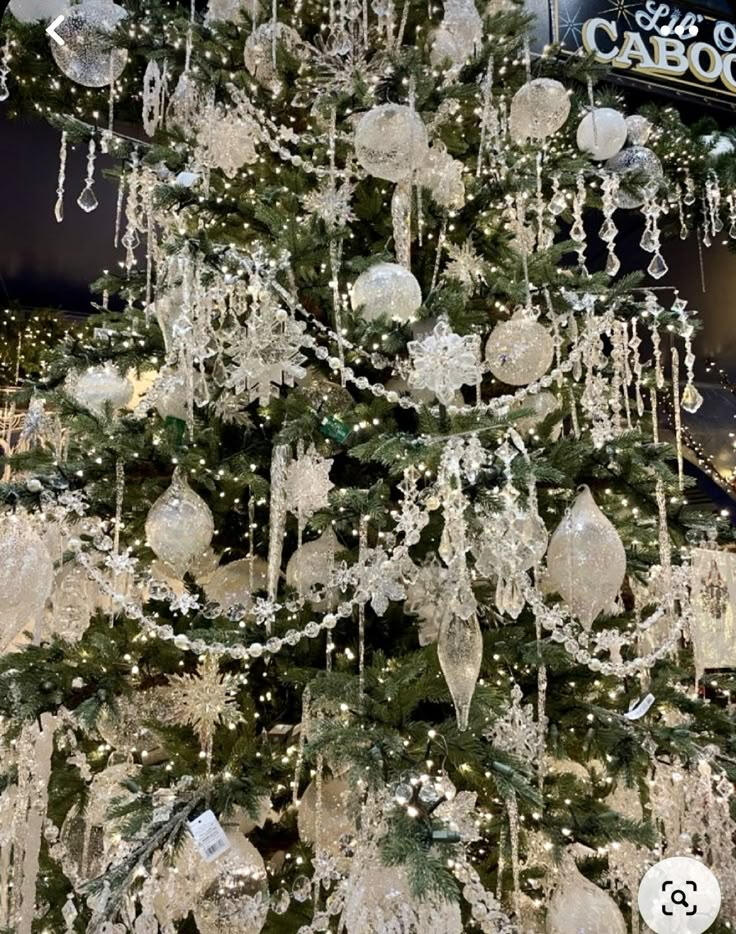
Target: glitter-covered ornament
26, 577
36, 11
601, 133
580, 907
586, 561
227, 142
460, 652
538, 109
179, 525
391, 142
230, 584
87, 54
236, 901
641, 162
638, 130
309, 567
386, 289
519, 351
334, 815
99, 388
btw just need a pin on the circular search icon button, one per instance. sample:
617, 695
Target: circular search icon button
679, 895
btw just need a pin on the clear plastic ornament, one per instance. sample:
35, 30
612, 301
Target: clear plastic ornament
601, 133
236, 901
36, 11
586, 560
641, 162
638, 130
325, 829
460, 652
538, 109
310, 566
386, 289
230, 585
519, 351
179, 525
26, 577
99, 387
87, 54
577, 906
391, 142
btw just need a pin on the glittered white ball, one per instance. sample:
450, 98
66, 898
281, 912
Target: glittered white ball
99, 387
391, 141
638, 130
179, 525
443, 176
386, 289
335, 818
35, 11
87, 54
538, 109
718, 145
519, 351
601, 133
26, 577
639, 161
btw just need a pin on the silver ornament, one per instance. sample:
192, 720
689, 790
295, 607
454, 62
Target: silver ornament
391, 142
386, 289
601, 133
88, 55
638, 130
640, 161
538, 109
519, 351
98, 388
26, 577
179, 525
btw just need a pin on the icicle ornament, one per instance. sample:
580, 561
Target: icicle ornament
460, 652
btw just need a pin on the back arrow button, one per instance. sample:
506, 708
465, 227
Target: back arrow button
51, 30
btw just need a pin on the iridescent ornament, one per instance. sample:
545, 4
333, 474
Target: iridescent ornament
323, 827
179, 525
36, 11
519, 351
87, 54
391, 142
230, 584
460, 652
459, 34
386, 289
310, 566
638, 130
99, 389
26, 577
580, 907
601, 133
586, 561
236, 901
538, 109
641, 162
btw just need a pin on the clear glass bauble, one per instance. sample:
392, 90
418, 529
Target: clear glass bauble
519, 351
538, 109
586, 561
123, 726
580, 907
386, 289
229, 584
36, 11
236, 901
335, 818
26, 578
310, 566
539, 405
99, 387
601, 133
88, 55
460, 652
459, 34
641, 162
179, 884
638, 130
179, 525
391, 142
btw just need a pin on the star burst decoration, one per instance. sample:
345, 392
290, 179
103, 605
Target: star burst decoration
204, 700
465, 266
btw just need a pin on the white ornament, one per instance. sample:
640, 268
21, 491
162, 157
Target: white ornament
386, 289
717, 144
227, 142
26, 577
310, 565
519, 351
459, 34
236, 902
460, 652
170, 394
35, 11
580, 907
538, 109
153, 99
308, 483
444, 361
229, 585
601, 133
443, 176
98, 388
586, 561
639, 161
226, 11
324, 829
638, 130
87, 54
391, 142
179, 525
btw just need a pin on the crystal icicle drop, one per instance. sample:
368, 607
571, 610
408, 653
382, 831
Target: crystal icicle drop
460, 651
59, 206
87, 200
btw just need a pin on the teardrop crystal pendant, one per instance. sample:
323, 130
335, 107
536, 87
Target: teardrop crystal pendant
657, 268
691, 399
87, 201
613, 264
460, 651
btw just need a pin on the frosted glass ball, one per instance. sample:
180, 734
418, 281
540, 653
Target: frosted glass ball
88, 55
601, 133
538, 109
26, 577
230, 583
179, 525
258, 53
386, 289
519, 351
335, 819
539, 405
391, 142
35, 11
459, 34
309, 567
638, 130
580, 907
236, 901
637, 160
99, 386
443, 176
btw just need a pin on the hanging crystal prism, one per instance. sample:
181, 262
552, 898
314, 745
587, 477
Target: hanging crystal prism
608, 231
577, 231
87, 200
59, 206
678, 416
689, 196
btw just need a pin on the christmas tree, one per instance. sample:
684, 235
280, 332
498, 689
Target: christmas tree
359, 592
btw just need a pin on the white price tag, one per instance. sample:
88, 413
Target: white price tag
638, 710
209, 836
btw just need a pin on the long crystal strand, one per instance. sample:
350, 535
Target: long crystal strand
251, 538
119, 207
609, 231
681, 213
501, 864
277, 518
678, 416
655, 414
119, 494
657, 267
634, 344
306, 719
5, 69
438, 255
87, 200
130, 238
59, 206
577, 231
512, 809
665, 545
691, 398
362, 546
401, 218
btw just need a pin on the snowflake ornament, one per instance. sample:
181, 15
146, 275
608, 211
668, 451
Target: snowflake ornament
308, 483
516, 732
203, 700
378, 578
331, 204
465, 266
444, 361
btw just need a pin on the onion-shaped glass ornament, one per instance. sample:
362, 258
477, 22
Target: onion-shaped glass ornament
391, 142
642, 163
638, 130
99, 388
601, 133
236, 901
538, 109
586, 561
460, 652
310, 565
35, 11
87, 54
324, 830
519, 351
386, 289
26, 577
229, 585
580, 907
179, 525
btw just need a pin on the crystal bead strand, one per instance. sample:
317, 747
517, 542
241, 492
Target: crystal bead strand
87, 200
5, 70
677, 415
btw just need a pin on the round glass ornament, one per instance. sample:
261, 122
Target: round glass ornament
538, 109
580, 907
391, 142
639, 161
638, 130
229, 584
236, 901
309, 567
179, 525
386, 289
601, 133
88, 55
98, 387
36, 11
334, 818
519, 351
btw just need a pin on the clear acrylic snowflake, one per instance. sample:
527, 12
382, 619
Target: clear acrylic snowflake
516, 732
465, 266
203, 700
379, 579
330, 203
444, 361
308, 483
